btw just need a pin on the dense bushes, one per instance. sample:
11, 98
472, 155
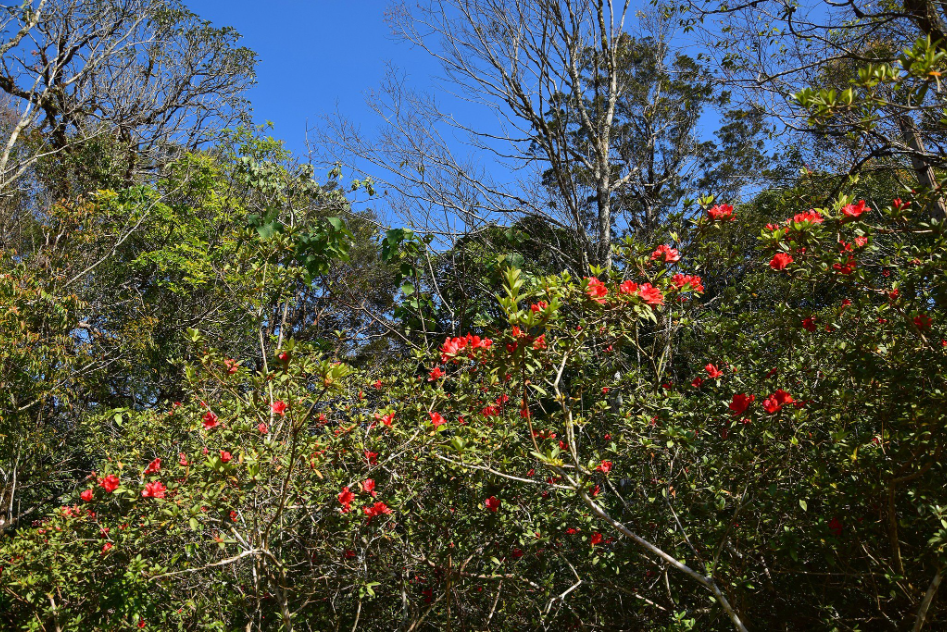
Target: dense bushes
703, 437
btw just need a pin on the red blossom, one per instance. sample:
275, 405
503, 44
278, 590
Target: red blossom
210, 420
596, 290
698, 382
368, 486
154, 490
681, 281
377, 509
436, 374
713, 372
740, 402
651, 295
263, 429
604, 467
231, 365
811, 216
87, 495
780, 260
720, 212
665, 253
154, 467
596, 539
922, 321
853, 211
492, 503
540, 342
835, 526
110, 483
539, 306
437, 419
775, 402
628, 287
225, 456
345, 498
106, 548
809, 324
279, 407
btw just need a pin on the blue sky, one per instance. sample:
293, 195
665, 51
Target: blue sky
315, 56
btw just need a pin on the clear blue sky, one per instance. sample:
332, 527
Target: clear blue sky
314, 56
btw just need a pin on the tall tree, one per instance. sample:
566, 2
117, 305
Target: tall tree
142, 75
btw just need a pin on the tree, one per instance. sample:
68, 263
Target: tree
143, 75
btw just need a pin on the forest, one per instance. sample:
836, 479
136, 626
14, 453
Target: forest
662, 347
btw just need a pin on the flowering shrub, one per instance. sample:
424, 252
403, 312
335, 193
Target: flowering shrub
701, 435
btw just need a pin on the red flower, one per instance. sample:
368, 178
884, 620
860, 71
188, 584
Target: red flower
720, 212
811, 216
345, 498
670, 255
845, 268
110, 483
741, 401
517, 553
233, 515
492, 503
596, 539
628, 287
713, 372
154, 467
377, 509
231, 365
922, 321
435, 374
283, 357
854, 210
377, 384
154, 490
210, 420
182, 458
835, 526
538, 307
780, 260
596, 290
809, 324
106, 548
680, 281
604, 467
386, 419
279, 407
775, 402
898, 204
87, 495
604, 390
651, 295
262, 428
861, 241
368, 486
698, 382
371, 457
437, 419
540, 342
225, 456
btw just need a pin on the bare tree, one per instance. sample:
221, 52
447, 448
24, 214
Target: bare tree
519, 58
836, 76
147, 74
